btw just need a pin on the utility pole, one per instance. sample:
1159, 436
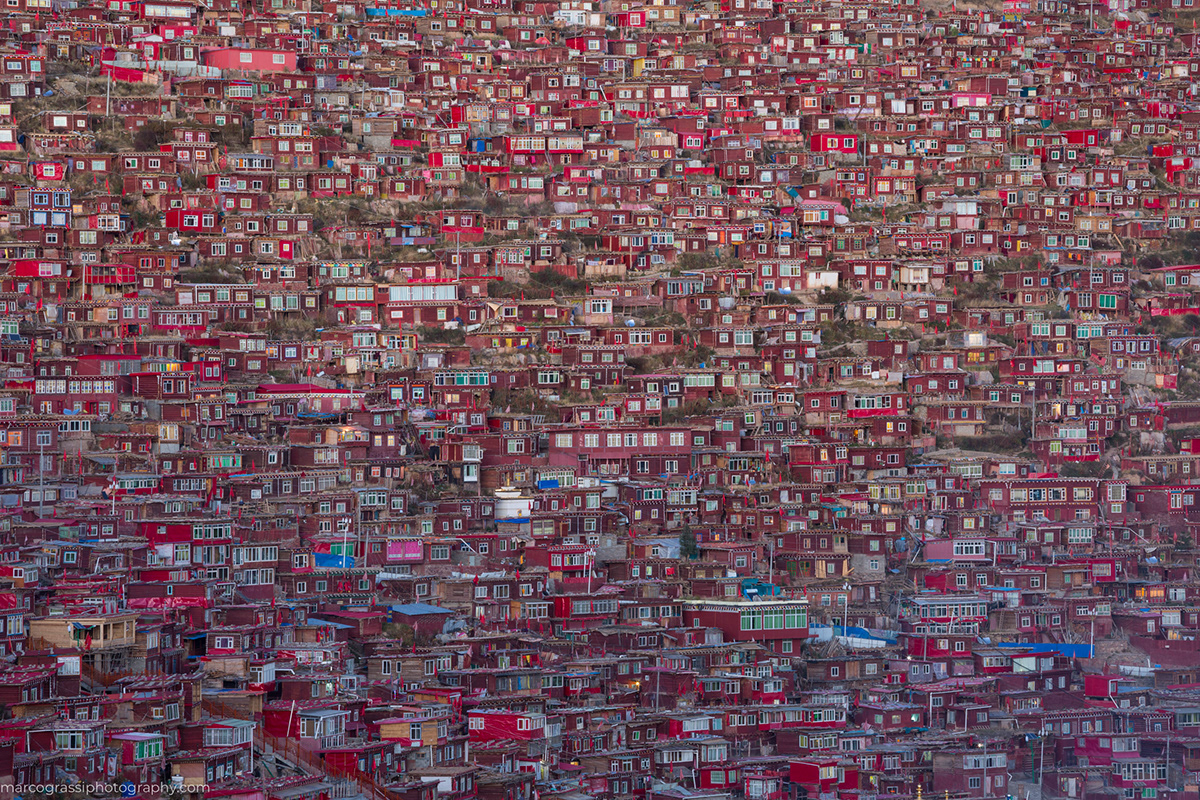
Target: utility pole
1032, 410
346, 536
366, 532
1042, 757
1167, 757
657, 685
771, 560
41, 480
985, 775
845, 609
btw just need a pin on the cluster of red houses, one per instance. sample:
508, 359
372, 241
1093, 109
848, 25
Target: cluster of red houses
597, 400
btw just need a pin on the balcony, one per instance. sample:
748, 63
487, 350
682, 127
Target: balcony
92, 633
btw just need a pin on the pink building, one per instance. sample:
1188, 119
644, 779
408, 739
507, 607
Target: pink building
250, 59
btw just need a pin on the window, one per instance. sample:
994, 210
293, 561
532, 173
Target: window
69, 740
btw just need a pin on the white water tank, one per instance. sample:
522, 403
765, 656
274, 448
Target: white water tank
510, 504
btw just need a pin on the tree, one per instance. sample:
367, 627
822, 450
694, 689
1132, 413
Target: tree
687, 543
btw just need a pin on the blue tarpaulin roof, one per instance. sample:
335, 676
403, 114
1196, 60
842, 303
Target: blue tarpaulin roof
1068, 650
396, 12
865, 633
419, 609
332, 560
330, 623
